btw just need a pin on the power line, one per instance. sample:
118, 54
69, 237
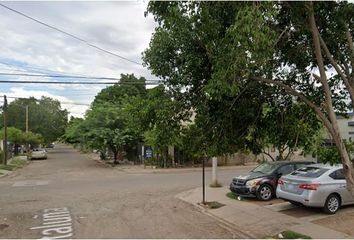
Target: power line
28, 69
69, 34
66, 76
63, 102
83, 83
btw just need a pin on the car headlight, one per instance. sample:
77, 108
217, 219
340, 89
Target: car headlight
253, 182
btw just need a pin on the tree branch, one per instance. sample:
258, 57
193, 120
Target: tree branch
351, 47
268, 154
295, 93
339, 71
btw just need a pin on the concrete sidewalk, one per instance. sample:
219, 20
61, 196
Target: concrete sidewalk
255, 221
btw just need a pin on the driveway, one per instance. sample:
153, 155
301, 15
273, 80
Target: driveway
71, 196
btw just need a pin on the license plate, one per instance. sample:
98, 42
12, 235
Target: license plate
291, 186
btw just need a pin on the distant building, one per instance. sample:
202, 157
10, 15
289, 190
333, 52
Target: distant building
346, 127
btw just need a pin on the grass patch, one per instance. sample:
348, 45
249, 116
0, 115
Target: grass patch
8, 167
234, 196
216, 185
18, 162
214, 204
288, 234
294, 235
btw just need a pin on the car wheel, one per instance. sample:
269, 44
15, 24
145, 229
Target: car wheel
265, 192
332, 204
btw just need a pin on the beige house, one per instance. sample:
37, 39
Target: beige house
346, 126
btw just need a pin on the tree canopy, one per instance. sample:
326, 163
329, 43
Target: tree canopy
45, 117
211, 51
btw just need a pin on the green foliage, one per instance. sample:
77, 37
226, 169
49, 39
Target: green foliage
17, 136
330, 154
155, 115
18, 162
288, 234
45, 117
34, 139
209, 54
289, 126
13, 135
106, 126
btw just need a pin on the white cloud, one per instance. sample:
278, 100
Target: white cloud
76, 109
119, 27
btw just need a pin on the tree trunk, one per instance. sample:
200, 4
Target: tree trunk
16, 149
165, 158
334, 130
115, 155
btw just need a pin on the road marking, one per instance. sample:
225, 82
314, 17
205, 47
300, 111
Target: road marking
30, 183
56, 224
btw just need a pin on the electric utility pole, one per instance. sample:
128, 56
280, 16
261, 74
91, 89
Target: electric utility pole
26, 145
5, 130
27, 119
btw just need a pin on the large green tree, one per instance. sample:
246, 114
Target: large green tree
105, 126
18, 137
213, 50
155, 116
45, 117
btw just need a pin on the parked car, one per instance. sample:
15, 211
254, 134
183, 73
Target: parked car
261, 182
50, 145
316, 185
37, 154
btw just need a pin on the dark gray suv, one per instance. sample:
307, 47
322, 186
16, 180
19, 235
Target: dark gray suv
262, 181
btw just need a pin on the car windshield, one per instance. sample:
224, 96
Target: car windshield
266, 168
38, 150
309, 172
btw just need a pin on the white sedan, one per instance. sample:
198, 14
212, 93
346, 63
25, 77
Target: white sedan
38, 154
316, 185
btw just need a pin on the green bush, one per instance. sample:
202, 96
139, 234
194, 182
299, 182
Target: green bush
150, 161
18, 162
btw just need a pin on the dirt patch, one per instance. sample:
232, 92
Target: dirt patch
3, 226
263, 203
254, 200
342, 222
300, 211
212, 205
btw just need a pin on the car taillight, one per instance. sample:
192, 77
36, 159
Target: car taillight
280, 182
309, 186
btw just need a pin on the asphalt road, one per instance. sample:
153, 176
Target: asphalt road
101, 202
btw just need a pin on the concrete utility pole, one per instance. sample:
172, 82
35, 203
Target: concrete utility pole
214, 180
5, 130
203, 180
27, 119
26, 145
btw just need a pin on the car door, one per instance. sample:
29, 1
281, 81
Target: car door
341, 186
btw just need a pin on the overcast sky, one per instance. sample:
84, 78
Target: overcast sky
26, 46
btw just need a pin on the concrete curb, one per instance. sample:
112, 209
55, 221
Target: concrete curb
6, 173
141, 170
233, 228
